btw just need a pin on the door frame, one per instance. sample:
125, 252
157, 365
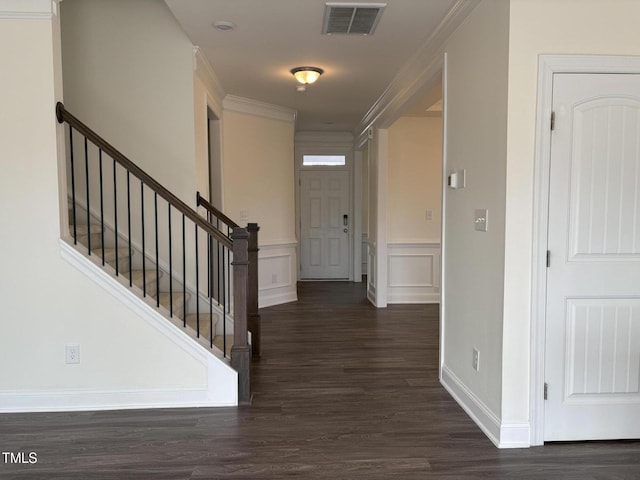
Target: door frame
548, 66
326, 143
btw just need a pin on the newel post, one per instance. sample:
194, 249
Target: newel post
240, 352
253, 317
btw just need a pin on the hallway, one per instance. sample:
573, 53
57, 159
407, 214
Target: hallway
343, 391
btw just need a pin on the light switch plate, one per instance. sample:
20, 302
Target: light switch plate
481, 219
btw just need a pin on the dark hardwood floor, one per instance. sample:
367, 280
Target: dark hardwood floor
343, 391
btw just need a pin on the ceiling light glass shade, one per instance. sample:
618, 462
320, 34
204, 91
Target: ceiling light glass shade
307, 75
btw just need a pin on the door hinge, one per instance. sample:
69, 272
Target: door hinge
548, 258
546, 390
553, 121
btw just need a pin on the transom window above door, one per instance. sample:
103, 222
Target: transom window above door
324, 160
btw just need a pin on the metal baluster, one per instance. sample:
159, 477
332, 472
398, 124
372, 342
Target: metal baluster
86, 172
115, 214
144, 257
218, 263
73, 187
184, 275
155, 204
197, 287
170, 264
229, 270
210, 287
101, 207
129, 225
224, 309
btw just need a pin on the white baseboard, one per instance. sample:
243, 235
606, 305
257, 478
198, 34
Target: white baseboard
502, 435
407, 296
78, 400
272, 299
221, 388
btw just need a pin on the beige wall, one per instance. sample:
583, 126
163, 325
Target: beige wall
365, 190
542, 27
415, 166
46, 302
259, 174
476, 141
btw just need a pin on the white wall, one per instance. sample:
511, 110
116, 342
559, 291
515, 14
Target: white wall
542, 27
474, 261
46, 302
128, 74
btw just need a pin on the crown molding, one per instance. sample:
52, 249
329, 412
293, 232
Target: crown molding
416, 73
324, 138
205, 71
259, 109
29, 9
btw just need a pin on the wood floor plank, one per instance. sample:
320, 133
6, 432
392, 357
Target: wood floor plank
342, 391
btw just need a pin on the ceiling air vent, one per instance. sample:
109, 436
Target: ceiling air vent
352, 18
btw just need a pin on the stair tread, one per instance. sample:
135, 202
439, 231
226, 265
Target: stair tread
204, 323
110, 253
84, 230
204, 320
178, 304
176, 295
138, 275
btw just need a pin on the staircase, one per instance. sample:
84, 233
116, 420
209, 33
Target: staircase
147, 283
197, 269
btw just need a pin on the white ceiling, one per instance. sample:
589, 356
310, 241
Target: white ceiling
273, 36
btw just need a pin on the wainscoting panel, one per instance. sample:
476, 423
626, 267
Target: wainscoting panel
277, 274
414, 273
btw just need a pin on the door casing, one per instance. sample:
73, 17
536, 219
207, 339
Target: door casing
548, 66
328, 146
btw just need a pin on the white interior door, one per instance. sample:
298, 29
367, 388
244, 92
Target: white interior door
592, 360
324, 224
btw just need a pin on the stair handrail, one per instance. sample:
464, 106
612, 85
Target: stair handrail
63, 115
201, 201
236, 240
253, 316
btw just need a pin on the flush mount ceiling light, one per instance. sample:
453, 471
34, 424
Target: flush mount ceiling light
307, 75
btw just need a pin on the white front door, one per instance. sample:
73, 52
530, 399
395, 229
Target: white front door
324, 224
592, 362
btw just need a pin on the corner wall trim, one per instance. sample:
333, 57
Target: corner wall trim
502, 435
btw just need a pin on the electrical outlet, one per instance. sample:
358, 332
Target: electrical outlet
244, 215
476, 359
429, 215
72, 354
274, 278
